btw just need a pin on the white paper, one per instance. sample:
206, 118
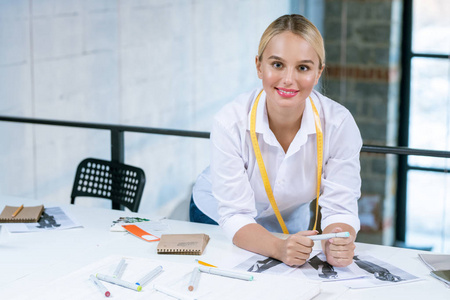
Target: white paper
53, 218
379, 273
256, 263
175, 276
156, 228
365, 272
144, 223
317, 268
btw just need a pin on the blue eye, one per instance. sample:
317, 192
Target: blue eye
303, 68
277, 65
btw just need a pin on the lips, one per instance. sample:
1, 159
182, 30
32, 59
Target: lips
287, 93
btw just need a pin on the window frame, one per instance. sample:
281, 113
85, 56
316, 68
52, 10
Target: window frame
407, 55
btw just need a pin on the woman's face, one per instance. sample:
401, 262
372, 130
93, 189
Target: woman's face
289, 70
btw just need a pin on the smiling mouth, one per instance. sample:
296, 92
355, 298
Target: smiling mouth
287, 93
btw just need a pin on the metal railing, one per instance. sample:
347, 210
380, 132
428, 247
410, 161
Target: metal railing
118, 142
117, 132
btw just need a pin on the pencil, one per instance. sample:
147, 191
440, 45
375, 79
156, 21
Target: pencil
204, 264
17, 211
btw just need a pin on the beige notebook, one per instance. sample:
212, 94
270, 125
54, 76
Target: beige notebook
30, 214
182, 243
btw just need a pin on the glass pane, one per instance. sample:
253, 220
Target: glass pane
428, 211
429, 125
431, 26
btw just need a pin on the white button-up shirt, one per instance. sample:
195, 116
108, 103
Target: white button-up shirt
238, 195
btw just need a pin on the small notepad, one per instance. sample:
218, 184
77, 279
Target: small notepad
193, 244
30, 214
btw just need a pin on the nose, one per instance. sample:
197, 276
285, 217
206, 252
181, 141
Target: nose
288, 76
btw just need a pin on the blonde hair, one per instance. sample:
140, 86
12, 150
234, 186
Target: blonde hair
298, 25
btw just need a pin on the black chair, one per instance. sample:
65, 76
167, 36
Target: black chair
120, 183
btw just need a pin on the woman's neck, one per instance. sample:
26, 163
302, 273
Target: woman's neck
285, 123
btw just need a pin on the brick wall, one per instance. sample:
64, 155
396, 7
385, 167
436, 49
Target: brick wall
362, 47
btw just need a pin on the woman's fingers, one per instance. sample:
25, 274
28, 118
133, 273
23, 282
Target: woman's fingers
297, 250
340, 255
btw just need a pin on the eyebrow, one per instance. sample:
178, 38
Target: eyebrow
302, 61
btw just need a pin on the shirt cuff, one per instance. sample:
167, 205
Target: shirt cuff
346, 219
232, 225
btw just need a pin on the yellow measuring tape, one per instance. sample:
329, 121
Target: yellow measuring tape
262, 168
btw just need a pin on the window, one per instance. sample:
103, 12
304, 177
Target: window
423, 202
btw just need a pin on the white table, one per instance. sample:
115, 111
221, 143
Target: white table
29, 260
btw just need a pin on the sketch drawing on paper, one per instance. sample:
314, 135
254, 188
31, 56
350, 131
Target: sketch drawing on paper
317, 268
262, 264
378, 272
324, 269
47, 221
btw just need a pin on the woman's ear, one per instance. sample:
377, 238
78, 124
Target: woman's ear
319, 74
258, 67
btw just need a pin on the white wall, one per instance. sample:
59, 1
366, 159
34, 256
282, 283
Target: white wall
155, 63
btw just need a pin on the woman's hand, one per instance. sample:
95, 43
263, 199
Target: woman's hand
295, 250
339, 251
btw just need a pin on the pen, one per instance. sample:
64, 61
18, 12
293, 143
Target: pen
100, 286
118, 271
328, 236
17, 211
205, 264
172, 293
119, 282
216, 271
195, 277
149, 276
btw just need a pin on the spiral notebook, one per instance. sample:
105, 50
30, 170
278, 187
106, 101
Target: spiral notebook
30, 214
193, 244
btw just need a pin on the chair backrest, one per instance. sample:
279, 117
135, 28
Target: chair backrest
122, 184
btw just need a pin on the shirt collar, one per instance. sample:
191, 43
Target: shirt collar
307, 127
262, 122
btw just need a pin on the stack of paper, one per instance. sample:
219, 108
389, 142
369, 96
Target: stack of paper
439, 264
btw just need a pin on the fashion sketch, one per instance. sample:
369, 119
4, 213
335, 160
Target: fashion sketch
47, 221
378, 272
317, 268
263, 264
325, 270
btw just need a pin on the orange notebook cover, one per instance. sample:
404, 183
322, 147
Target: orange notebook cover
137, 231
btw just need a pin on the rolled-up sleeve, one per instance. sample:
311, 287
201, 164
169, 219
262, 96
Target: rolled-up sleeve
341, 180
230, 183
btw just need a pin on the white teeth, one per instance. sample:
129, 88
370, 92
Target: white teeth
286, 92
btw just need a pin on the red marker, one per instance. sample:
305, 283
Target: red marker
100, 286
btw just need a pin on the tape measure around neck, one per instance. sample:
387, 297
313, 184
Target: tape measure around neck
262, 168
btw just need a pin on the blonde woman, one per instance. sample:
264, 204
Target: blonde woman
268, 147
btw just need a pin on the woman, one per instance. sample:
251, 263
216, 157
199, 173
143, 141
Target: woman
293, 127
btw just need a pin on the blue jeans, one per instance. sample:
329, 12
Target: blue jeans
196, 215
